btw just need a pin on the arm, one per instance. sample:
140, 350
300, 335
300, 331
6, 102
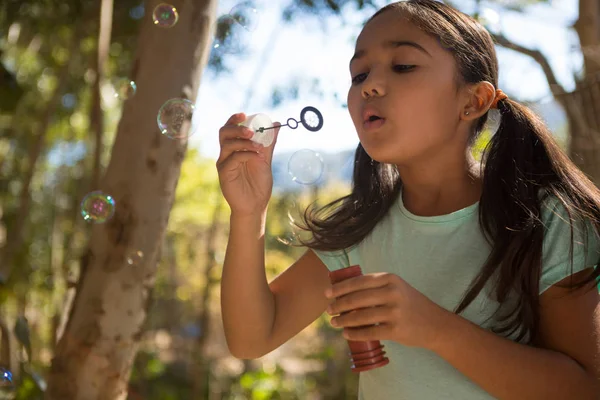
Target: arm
566, 368
247, 304
258, 317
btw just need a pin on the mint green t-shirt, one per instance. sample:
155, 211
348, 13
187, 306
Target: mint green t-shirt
440, 256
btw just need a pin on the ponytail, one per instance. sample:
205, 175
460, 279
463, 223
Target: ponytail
523, 167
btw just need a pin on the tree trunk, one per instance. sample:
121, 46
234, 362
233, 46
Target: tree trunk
96, 114
583, 105
588, 30
201, 365
583, 113
95, 354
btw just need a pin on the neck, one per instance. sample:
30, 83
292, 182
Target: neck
439, 188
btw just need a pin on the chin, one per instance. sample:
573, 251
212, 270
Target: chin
385, 154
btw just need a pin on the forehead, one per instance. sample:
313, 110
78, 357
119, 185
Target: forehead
392, 25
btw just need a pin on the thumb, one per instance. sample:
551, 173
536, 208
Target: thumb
269, 150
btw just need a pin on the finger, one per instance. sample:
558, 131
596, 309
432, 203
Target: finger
357, 283
232, 162
231, 145
363, 317
232, 131
364, 333
360, 299
236, 119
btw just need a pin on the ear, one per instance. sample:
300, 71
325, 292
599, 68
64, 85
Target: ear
478, 99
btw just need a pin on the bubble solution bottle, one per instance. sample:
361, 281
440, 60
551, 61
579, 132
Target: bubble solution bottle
365, 355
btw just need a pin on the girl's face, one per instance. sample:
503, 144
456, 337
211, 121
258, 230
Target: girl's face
404, 76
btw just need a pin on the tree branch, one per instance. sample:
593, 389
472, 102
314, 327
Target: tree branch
556, 88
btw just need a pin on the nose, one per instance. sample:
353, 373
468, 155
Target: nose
373, 85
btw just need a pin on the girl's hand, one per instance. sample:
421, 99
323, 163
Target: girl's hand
383, 306
244, 168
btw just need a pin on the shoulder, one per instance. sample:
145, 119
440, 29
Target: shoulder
570, 244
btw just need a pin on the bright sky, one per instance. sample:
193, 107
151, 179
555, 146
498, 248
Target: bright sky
320, 47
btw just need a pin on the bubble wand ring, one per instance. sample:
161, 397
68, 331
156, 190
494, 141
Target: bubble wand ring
293, 123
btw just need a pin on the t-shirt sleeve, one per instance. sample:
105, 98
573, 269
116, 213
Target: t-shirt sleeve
333, 260
556, 261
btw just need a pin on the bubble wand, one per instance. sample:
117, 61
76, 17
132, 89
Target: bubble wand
263, 128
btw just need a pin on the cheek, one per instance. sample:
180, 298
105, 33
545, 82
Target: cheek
353, 101
432, 107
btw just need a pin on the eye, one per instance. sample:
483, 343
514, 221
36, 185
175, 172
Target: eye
356, 79
403, 68
397, 68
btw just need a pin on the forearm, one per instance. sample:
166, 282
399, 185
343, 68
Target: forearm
510, 370
247, 303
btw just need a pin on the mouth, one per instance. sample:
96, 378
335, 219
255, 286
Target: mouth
373, 122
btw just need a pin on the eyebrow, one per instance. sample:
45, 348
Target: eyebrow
391, 44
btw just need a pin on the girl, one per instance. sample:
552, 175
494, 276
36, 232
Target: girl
479, 280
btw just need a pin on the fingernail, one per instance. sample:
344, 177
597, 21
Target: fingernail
256, 145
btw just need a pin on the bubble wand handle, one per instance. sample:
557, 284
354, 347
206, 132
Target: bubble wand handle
365, 355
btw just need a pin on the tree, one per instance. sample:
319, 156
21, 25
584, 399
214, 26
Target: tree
95, 353
582, 106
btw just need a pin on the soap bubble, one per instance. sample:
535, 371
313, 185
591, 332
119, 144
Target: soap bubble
165, 15
97, 207
246, 15
69, 100
135, 257
5, 377
137, 12
305, 166
228, 37
7, 387
175, 118
444, 44
124, 88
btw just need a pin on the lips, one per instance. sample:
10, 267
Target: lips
371, 114
372, 119
370, 126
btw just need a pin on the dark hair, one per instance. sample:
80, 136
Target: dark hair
521, 159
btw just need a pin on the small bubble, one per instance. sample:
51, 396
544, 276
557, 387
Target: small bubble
69, 100
444, 44
175, 118
246, 15
228, 36
97, 207
137, 12
135, 257
6, 382
165, 15
124, 88
305, 166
